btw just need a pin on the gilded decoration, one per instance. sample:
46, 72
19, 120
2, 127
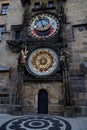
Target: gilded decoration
43, 61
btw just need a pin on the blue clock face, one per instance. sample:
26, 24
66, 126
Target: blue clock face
43, 25
42, 62
42, 22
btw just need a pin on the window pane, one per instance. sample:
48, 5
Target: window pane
81, 28
5, 9
50, 4
0, 37
37, 5
17, 35
1, 30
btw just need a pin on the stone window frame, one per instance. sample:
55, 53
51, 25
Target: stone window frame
4, 10
15, 30
81, 27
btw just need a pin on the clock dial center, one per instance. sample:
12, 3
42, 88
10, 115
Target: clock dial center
43, 61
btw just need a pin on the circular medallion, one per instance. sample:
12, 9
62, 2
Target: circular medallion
37, 123
43, 25
42, 62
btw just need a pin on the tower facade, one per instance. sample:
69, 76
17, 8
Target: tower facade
41, 45
43, 59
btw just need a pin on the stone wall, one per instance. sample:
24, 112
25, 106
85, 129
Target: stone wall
76, 11
77, 35
15, 14
55, 92
8, 81
14, 17
77, 43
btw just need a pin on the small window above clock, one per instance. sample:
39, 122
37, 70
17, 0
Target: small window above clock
37, 5
50, 4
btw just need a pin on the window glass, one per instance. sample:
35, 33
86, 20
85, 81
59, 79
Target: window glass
1, 30
17, 35
81, 28
50, 4
5, 8
37, 5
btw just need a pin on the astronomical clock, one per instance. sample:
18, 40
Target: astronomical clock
43, 60
43, 26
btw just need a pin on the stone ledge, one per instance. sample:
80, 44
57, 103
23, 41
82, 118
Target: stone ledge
10, 108
80, 111
5, 69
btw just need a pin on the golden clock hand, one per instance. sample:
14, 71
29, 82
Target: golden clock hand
40, 20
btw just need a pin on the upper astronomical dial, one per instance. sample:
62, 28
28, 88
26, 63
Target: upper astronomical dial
43, 25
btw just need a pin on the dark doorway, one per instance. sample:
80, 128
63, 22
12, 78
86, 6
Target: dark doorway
43, 102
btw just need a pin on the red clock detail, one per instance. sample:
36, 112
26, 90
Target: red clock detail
43, 26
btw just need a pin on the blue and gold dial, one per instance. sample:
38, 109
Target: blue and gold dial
43, 25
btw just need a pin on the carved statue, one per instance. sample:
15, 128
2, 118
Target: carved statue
43, 5
22, 57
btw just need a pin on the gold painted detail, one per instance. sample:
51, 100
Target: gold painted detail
43, 60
